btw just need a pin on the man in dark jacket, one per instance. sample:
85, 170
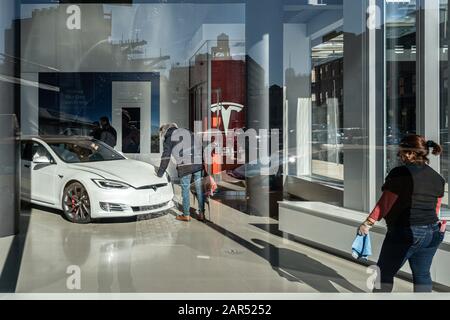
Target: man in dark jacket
96, 131
108, 134
181, 144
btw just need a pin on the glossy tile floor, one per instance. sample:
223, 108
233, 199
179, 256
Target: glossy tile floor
236, 253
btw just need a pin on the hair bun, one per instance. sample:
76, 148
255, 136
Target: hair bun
431, 144
437, 149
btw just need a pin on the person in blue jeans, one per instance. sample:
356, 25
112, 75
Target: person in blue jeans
185, 189
180, 144
416, 244
410, 205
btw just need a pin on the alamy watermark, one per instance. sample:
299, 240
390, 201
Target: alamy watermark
73, 21
260, 149
73, 281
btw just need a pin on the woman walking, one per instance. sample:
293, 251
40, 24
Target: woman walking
410, 205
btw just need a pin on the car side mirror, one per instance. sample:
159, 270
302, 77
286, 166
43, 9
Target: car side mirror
42, 160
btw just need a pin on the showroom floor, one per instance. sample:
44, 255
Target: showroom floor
238, 253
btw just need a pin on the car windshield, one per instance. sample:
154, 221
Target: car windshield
84, 151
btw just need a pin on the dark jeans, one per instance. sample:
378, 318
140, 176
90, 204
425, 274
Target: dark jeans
416, 244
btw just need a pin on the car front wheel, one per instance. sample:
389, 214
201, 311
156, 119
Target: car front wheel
76, 205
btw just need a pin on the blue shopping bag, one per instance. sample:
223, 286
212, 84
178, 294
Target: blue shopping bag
361, 247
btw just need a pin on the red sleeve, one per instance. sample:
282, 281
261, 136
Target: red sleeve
383, 206
438, 206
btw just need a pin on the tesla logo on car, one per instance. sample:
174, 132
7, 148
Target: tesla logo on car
74, 20
225, 109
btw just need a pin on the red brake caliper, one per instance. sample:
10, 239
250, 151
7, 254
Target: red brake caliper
73, 204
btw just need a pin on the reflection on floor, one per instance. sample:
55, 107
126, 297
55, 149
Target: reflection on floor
236, 253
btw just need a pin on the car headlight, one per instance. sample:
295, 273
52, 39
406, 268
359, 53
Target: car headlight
110, 184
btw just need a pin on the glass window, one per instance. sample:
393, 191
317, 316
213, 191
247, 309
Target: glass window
400, 77
84, 151
31, 150
314, 80
92, 75
327, 113
26, 152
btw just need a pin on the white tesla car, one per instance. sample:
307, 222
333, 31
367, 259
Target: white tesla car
87, 179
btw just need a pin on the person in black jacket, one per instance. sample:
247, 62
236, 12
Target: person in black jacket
108, 134
181, 144
96, 131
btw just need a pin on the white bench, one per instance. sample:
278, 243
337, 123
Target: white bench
334, 228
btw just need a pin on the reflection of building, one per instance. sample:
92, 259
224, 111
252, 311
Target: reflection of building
327, 81
222, 50
401, 98
401, 78
59, 48
327, 98
222, 106
179, 88
327, 89
134, 50
49, 46
8, 86
45, 44
56, 122
9, 70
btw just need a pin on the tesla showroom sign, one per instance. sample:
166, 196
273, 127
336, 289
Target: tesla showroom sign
226, 108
